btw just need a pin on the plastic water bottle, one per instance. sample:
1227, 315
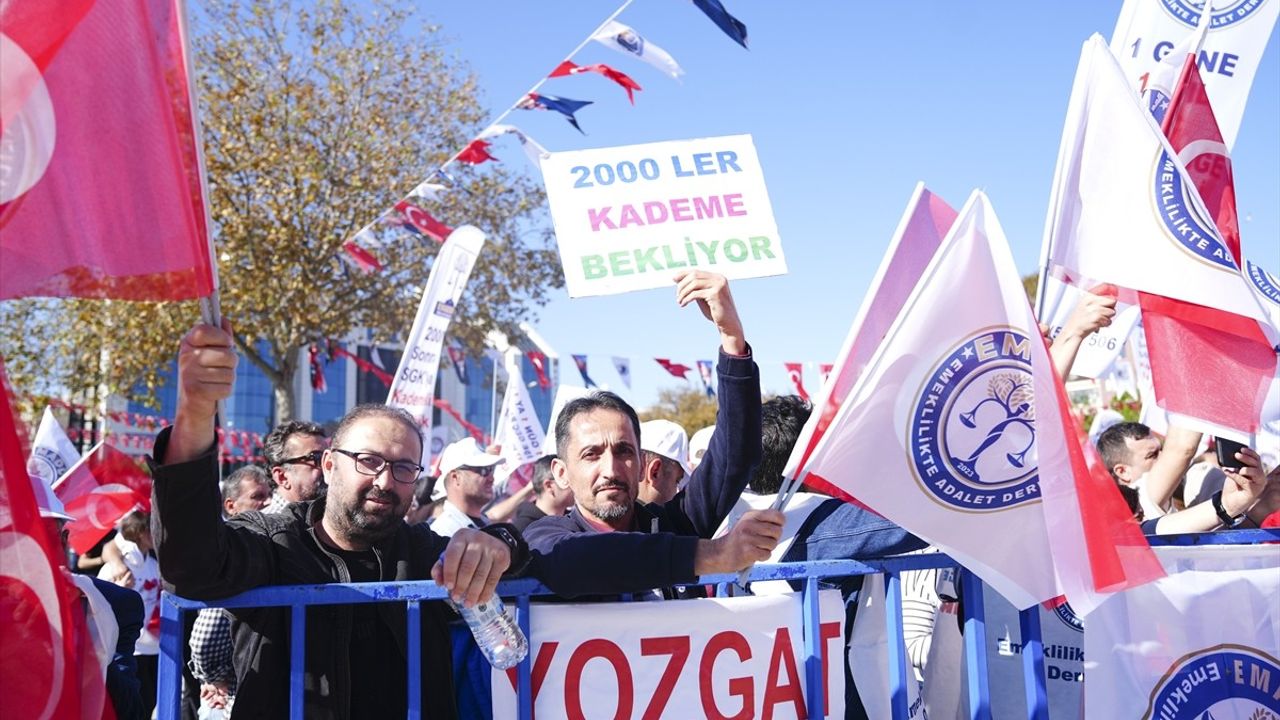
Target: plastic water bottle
496, 632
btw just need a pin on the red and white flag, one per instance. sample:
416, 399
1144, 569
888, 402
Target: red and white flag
101, 194
539, 362
1117, 177
48, 668
422, 222
99, 490
963, 416
924, 223
795, 371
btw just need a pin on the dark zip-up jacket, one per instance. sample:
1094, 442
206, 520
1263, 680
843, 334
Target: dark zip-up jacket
203, 557
574, 559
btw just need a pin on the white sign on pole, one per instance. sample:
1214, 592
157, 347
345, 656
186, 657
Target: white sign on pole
519, 431
710, 657
630, 217
1148, 30
414, 385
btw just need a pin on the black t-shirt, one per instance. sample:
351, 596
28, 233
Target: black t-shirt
379, 685
526, 514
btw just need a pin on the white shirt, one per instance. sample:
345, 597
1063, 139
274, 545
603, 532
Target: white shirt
452, 520
146, 582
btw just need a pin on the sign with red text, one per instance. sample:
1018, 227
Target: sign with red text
631, 217
414, 386
714, 657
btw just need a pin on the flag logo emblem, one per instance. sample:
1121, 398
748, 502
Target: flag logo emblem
444, 309
1182, 219
972, 432
1224, 12
1264, 282
630, 42
1069, 617
1222, 681
47, 464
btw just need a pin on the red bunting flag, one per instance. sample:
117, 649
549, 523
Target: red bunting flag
568, 67
363, 364
476, 152
824, 369
796, 372
363, 259
480, 435
317, 370
539, 363
101, 194
675, 368
421, 221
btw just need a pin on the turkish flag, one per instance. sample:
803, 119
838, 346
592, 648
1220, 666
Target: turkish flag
46, 670
419, 220
98, 491
476, 152
539, 363
675, 368
796, 372
102, 194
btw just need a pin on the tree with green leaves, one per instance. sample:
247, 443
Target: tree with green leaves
317, 117
689, 408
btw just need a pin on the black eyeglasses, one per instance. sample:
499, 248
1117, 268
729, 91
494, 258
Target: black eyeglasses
372, 464
481, 471
312, 458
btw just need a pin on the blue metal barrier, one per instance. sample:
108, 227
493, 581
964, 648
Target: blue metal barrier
299, 597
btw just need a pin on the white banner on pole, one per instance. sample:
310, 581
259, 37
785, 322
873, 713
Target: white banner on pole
630, 217
711, 657
519, 431
414, 385
1148, 30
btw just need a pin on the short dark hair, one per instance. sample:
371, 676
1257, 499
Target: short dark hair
599, 400
1113, 443
541, 471
133, 525
372, 410
231, 483
423, 487
273, 445
781, 420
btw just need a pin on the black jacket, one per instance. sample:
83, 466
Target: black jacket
203, 557
575, 559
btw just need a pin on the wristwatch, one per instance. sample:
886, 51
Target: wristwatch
1227, 519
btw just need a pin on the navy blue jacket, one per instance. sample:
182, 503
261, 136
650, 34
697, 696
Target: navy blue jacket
573, 558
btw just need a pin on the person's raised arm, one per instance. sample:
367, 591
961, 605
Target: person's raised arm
1175, 457
1092, 313
1239, 494
206, 372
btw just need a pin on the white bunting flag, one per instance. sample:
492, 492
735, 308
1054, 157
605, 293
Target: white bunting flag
1147, 31
616, 36
414, 385
519, 431
52, 453
623, 367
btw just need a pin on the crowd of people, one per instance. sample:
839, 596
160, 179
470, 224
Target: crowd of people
621, 508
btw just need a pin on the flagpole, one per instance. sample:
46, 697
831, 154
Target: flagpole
493, 399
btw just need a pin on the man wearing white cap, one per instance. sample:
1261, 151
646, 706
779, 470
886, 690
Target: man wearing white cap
698, 445
666, 460
466, 476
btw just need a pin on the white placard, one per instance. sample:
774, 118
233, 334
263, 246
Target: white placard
712, 657
519, 431
631, 217
414, 386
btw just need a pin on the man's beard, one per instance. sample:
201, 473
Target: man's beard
370, 527
613, 510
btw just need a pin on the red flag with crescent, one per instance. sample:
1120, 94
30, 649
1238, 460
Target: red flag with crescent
421, 221
539, 362
796, 372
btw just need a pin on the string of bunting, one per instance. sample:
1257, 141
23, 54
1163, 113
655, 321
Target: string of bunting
409, 216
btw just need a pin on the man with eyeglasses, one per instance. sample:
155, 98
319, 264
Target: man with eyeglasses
355, 664
466, 472
293, 451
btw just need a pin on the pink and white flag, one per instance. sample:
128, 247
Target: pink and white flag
962, 414
920, 231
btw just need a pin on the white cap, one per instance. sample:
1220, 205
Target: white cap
465, 453
666, 439
700, 441
1105, 418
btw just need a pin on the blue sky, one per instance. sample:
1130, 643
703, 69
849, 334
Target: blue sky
849, 103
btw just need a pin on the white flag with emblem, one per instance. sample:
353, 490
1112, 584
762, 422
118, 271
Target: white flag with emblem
616, 36
519, 431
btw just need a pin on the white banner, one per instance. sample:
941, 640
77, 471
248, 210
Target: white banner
1202, 642
414, 386
1147, 31
630, 217
715, 657
52, 453
519, 431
